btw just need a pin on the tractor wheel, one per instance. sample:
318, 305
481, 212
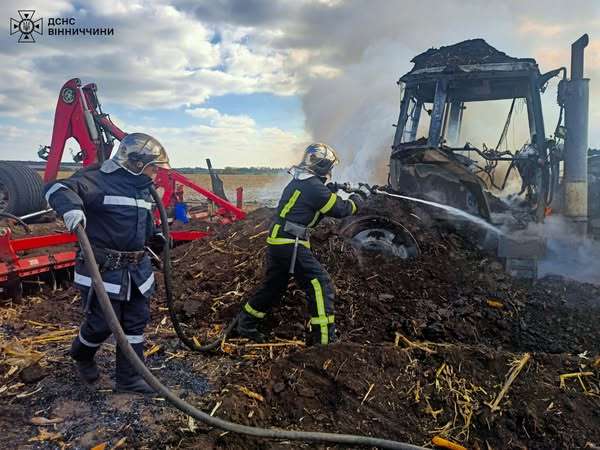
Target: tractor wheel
380, 235
21, 189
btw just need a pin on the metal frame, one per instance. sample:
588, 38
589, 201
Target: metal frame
14, 266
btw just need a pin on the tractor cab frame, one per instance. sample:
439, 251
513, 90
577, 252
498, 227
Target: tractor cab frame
442, 83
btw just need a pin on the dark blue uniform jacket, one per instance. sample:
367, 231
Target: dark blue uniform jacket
305, 201
118, 209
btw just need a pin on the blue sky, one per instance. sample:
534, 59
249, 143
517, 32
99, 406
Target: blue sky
267, 110
253, 82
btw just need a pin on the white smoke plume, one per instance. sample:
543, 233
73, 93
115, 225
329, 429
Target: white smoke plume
355, 114
568, 254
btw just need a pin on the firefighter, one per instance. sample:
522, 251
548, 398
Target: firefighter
113, 203
304, 202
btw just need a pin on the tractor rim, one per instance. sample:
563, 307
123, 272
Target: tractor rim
380, 240
377, 234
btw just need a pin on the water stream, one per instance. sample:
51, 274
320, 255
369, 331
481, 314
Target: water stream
452, 210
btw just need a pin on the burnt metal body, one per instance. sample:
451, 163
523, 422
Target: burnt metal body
594, 192
447, 79
442, 82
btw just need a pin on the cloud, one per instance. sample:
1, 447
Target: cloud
530, 26
341, 57
160, 56
227, 139
218, 120
11, 133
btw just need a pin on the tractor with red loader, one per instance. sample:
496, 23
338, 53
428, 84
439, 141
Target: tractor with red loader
79, 116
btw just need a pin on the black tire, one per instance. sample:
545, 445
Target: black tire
21, 189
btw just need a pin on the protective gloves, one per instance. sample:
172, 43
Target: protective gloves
333, 186
72, 218
157, 242
358, 200
364, 190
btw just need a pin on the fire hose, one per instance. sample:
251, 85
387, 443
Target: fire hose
19, 220
168, 281
182, 405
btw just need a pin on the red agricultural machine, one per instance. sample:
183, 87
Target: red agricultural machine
78, 115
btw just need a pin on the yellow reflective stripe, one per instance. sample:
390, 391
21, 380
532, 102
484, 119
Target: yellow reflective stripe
253, 312
322, 320
280, 241
321, 311
291, 202
354, 208
329, 204
312, 222
276, 228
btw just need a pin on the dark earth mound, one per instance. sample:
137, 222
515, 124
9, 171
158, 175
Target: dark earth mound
425, 348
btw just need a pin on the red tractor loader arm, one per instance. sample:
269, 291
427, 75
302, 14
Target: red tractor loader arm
78, 115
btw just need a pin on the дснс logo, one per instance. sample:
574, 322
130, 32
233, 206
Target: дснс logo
26, 25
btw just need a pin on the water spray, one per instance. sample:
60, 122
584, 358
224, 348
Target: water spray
452, 210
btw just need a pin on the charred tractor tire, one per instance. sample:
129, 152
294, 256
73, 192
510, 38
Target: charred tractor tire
21, 189
380, 235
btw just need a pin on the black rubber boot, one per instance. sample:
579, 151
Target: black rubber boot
314, 337
84, 360
247, 327
128, 380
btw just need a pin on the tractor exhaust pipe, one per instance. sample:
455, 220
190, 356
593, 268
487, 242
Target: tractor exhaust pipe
576, 141
577, 57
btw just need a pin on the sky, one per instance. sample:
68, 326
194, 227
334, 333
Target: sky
252, 82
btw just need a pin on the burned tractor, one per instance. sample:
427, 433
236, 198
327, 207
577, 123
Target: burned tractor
443, 83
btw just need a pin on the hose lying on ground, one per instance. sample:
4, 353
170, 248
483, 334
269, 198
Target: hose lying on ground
166, 268
16, 219
161, 389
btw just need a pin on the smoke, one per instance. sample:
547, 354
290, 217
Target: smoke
268, 195
568, 255
355, 113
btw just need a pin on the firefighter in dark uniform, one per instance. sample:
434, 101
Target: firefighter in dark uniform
114, 205
304, 202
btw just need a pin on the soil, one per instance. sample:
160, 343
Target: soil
425, 347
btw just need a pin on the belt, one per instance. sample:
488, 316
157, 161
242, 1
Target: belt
297, 230
109, 259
